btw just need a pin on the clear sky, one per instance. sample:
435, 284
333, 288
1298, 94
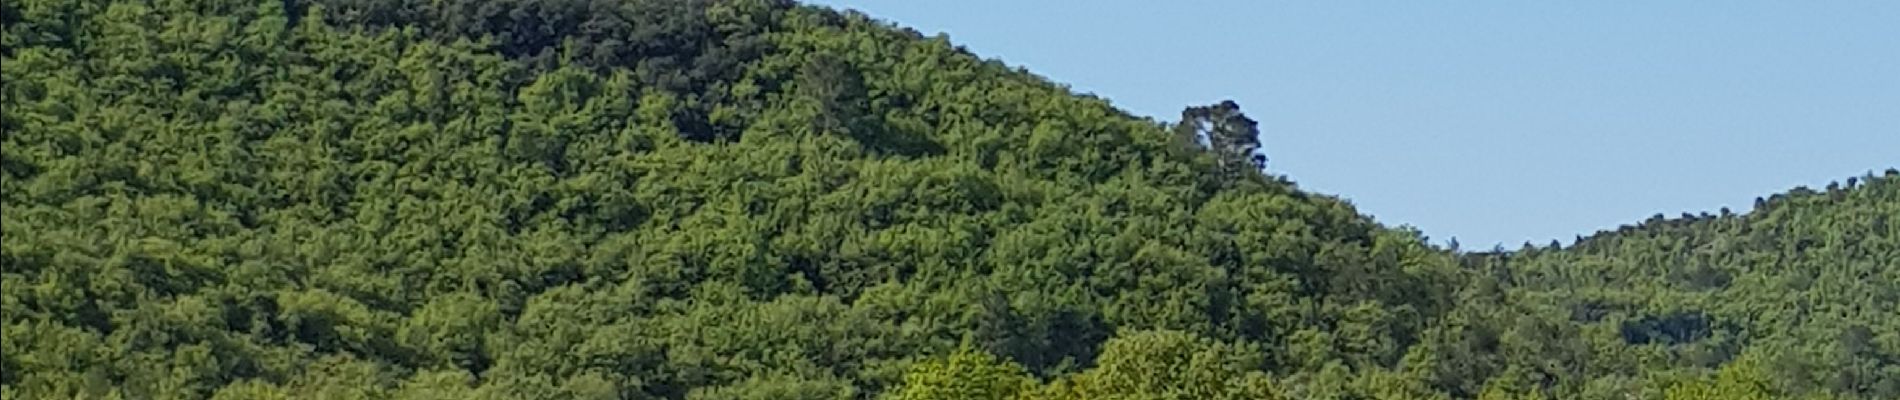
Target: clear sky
1488, 121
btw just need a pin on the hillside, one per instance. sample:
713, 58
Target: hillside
1800, 297
754, 199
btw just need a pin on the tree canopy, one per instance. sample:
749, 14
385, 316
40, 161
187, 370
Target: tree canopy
755, 199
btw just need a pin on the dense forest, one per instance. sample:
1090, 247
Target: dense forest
756, 199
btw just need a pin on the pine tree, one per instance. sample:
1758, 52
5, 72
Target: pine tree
1228, 133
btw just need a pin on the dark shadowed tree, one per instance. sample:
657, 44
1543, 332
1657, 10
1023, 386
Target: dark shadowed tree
1225, 131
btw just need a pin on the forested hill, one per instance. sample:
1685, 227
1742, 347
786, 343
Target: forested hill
754, 199
1799, 298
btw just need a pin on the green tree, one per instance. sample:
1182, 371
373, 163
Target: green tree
1225, 131
1169, 365
964, 374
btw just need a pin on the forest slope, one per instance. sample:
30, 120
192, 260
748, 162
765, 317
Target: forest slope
1802, 293
757, 199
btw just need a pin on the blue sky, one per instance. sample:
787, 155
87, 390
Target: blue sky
1489, 121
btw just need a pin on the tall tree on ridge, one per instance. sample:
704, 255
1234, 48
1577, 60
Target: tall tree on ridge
1223, 129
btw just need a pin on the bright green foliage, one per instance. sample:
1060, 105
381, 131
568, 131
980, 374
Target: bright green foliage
1737, 381
965, 374
1156, 365
753, 199
1170, 365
